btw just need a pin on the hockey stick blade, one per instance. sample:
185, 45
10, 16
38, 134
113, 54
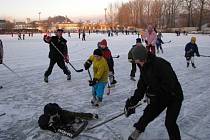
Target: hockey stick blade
80, 70
116, 56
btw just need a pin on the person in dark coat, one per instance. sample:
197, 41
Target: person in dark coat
131, 60
159, 43
190, 49
54, 55
1, 55
159, 83
55, 117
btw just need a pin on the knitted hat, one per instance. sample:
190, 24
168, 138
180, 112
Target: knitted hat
43, 121
138, 40
97, 52
139, 53
59, 30
193, 39
103, 42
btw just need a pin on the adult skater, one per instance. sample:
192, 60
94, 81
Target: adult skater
100, 78
130, 59
108, 56
190, 49
1, 55
55, 57
159, 83
150, 39
83, 35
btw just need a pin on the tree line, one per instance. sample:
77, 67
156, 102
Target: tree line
161, 13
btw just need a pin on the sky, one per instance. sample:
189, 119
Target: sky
74, 9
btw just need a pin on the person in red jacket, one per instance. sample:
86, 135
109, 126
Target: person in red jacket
108, 56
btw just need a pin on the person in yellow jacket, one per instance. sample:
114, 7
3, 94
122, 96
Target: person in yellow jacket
100, 79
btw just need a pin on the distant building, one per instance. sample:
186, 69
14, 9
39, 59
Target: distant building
2, 24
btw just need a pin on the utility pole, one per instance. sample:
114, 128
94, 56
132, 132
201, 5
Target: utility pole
39, 15
105, 15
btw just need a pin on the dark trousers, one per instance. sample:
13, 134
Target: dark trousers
133, 70
154, 109
60, 63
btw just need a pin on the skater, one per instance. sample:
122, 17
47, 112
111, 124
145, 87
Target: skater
55, 56
159, 83
159, 43
99, 81
150, 39
108, 56
55, 118
130, 59
1, 55
83, 35
19, 36
190, 49
79, 32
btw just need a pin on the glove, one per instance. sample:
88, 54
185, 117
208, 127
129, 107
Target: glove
87, 64
129, 108
66, 58
146, 42
47, 38
93, 82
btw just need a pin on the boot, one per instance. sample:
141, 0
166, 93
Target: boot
132, 78
45, 79
134, 135
193, 65
188, 64
69, 77
113, 82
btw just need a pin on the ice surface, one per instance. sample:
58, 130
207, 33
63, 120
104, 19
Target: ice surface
23, 99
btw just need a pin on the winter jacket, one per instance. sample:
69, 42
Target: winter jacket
108, 56
159, 41
60, 43
151, 38
190, 49
1, 51
100, 68
158, 81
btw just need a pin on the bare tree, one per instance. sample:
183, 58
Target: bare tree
202, 4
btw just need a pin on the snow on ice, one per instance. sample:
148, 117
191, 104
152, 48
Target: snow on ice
23, 99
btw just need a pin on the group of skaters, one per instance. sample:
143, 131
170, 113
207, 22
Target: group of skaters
158, 82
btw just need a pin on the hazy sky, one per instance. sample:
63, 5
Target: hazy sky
22, 9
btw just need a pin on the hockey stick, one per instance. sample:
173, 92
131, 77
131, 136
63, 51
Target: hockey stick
80, 70
116, 56
108, 87
106, 121
167, 42
2, 114
89, 74
12, 71
204, 55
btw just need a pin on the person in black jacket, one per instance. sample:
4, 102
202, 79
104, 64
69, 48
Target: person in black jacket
190, 49
55, 57
159, 83
55, 118
1, 55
